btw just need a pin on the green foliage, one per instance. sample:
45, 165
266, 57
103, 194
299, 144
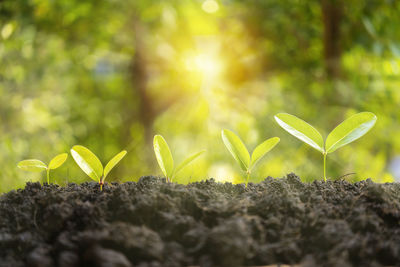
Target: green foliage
165, 159
168, 66
34, 165
240, 153
114, 161
92, 166
348, 131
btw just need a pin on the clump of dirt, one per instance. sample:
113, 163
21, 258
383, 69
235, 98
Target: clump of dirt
154, 223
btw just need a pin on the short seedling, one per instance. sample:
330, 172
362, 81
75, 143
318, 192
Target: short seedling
240, 153
34, 165
92, 166
165, 160
345, 133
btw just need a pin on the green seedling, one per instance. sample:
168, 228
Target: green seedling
165, 159
240, 153
35, 165
92, 166
348, 131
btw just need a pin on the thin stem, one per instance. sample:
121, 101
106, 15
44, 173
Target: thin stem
247, 178
101, 182
48, 176
325, 167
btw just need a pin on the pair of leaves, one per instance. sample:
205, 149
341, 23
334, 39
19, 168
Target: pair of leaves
240, 153
35, 165
165, 159
91, 165
348, 131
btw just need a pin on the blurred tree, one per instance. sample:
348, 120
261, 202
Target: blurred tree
109, 74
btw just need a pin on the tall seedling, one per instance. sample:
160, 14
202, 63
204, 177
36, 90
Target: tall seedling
240, 153
92, 166
35, 165
165, 159
348, 131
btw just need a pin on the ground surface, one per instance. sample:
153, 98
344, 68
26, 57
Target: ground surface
152, 223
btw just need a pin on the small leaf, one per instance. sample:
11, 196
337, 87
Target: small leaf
88, 162
350, 130
236, 148
163, 155
57, 161
32, 165
301, 129
187, 161
114, 161
263, 149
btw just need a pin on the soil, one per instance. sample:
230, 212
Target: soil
154, 223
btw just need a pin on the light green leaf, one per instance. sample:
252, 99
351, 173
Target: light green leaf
263, 149
114, 161
187, 161
350, 130
57, 161
301, 129
32, 165
236, 148
163, 155
88, 162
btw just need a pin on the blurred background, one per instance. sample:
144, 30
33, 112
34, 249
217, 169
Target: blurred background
109, 74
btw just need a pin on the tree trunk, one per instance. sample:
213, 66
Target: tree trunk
144, 111
331, 17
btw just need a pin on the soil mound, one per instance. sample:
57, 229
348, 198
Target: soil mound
154, 223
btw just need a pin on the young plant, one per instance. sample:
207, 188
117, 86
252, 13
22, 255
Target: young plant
348, 131
165, 160
92, 166
240, 153
35, 165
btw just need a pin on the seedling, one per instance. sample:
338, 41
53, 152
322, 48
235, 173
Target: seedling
35, 165
165, 160
240, 153
92, 166
348, 131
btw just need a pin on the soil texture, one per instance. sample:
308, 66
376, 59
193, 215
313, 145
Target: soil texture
154, 223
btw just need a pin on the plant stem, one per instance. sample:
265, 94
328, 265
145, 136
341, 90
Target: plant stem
248, 176
325, 167
48, 176
101, 182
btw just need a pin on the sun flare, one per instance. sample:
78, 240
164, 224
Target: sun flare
207, 65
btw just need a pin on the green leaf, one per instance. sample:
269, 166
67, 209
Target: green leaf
350, 130
187, 161
32, 165
263, 149
236, 148
114, 161
88, 162
57, 161
301, 129
163, 155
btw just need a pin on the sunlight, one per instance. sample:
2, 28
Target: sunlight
210, 6
205, 64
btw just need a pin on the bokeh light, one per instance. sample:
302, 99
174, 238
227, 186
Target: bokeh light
110, 75
210, 6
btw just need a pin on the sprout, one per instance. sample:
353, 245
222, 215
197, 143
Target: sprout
345, 133
241, 154
92, 166
35, 165
165, 160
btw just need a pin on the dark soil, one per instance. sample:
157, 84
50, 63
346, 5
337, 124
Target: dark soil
153, 223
